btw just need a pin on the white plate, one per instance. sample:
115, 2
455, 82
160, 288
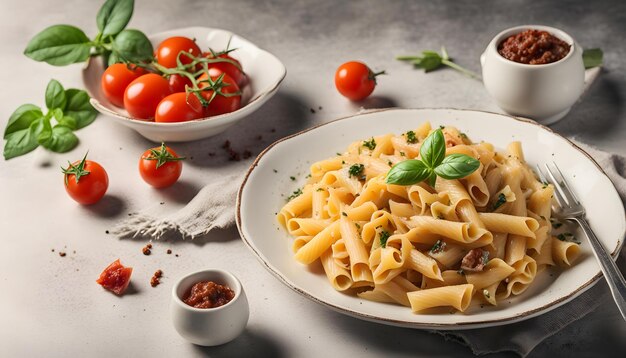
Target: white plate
268, 182
265, 73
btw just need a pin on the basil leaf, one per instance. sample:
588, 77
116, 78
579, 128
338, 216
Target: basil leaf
592, 57
21, 118
61, 140
59, 45
55, 95
58, 113
114, 15
433, 150
44, 129
19, 143
408, 172
68, 122
79, 108
456, 166
133, 45
113, 58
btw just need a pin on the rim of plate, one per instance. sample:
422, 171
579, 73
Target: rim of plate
222, 118
459, 325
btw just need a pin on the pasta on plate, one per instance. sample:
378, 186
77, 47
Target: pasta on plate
482, 237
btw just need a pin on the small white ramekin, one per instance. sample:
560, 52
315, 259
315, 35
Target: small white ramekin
209, 326
544, 93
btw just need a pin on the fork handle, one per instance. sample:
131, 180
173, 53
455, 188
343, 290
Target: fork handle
611, 272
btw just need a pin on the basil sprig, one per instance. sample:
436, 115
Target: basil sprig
61, 45
29, 127
433, 163
592, 57
431, 60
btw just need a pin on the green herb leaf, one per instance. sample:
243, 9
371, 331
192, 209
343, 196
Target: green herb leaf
433, 150
592, 57
61, 139
22, 118
55, 95
356, 170
133, 45
68, 122
295, 194
408, 172
79, 108
501, 200
410, 137
22, 141
59, 45
113, 58
384, 236
430, 62
114, 15
456, 166
370, 144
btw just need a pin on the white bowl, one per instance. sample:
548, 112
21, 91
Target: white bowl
544, 93
265, 73
209, 326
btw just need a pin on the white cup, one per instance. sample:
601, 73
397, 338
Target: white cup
209, 326
545, 92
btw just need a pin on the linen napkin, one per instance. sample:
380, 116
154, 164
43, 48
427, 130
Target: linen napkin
214, 208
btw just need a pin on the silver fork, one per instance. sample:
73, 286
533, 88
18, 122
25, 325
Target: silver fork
570, 209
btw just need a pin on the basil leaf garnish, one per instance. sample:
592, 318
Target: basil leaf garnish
408, 172
433, 150
79, 108
133, 45
59, 45
456, 166
114, 15
22, 118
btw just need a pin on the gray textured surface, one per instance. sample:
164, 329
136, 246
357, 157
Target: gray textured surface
312, 38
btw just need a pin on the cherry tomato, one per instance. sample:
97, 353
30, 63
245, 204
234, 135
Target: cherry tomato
144, 94
355, 80
220, 104
86, 181
160, 166
178, 107
168, 51
235, 72
178, 82
115, 79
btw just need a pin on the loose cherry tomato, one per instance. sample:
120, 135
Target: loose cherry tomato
86, 181
168, 51
178, 82
220, 104
234, 71
355, 80
144, 94
115, 277
160, 166
178, 107
115, 79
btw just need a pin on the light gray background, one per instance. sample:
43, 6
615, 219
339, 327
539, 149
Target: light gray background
50, 305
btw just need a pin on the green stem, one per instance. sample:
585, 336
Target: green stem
408, 58
464, 71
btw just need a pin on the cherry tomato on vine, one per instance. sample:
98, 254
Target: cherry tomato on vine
178, 82
234, 70
168, 51
228, 96
115, 79
179, 107
144, 94
160, 166
355, 80
85, 181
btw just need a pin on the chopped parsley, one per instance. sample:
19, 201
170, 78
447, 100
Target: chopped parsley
501, 200
384, 236
295, 194
463, 135
357, 225
390, 163
410, 137
275, 171
402, 154
320, 189
438, 247
567, 236
370, 144
461, 272
338, 153
442, 127
344, 213
308, 176
556, 224
356, 170
292, 178
545, 185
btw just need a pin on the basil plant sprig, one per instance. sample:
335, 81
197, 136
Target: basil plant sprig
28, 127
434, 162
61, 45
431, 60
